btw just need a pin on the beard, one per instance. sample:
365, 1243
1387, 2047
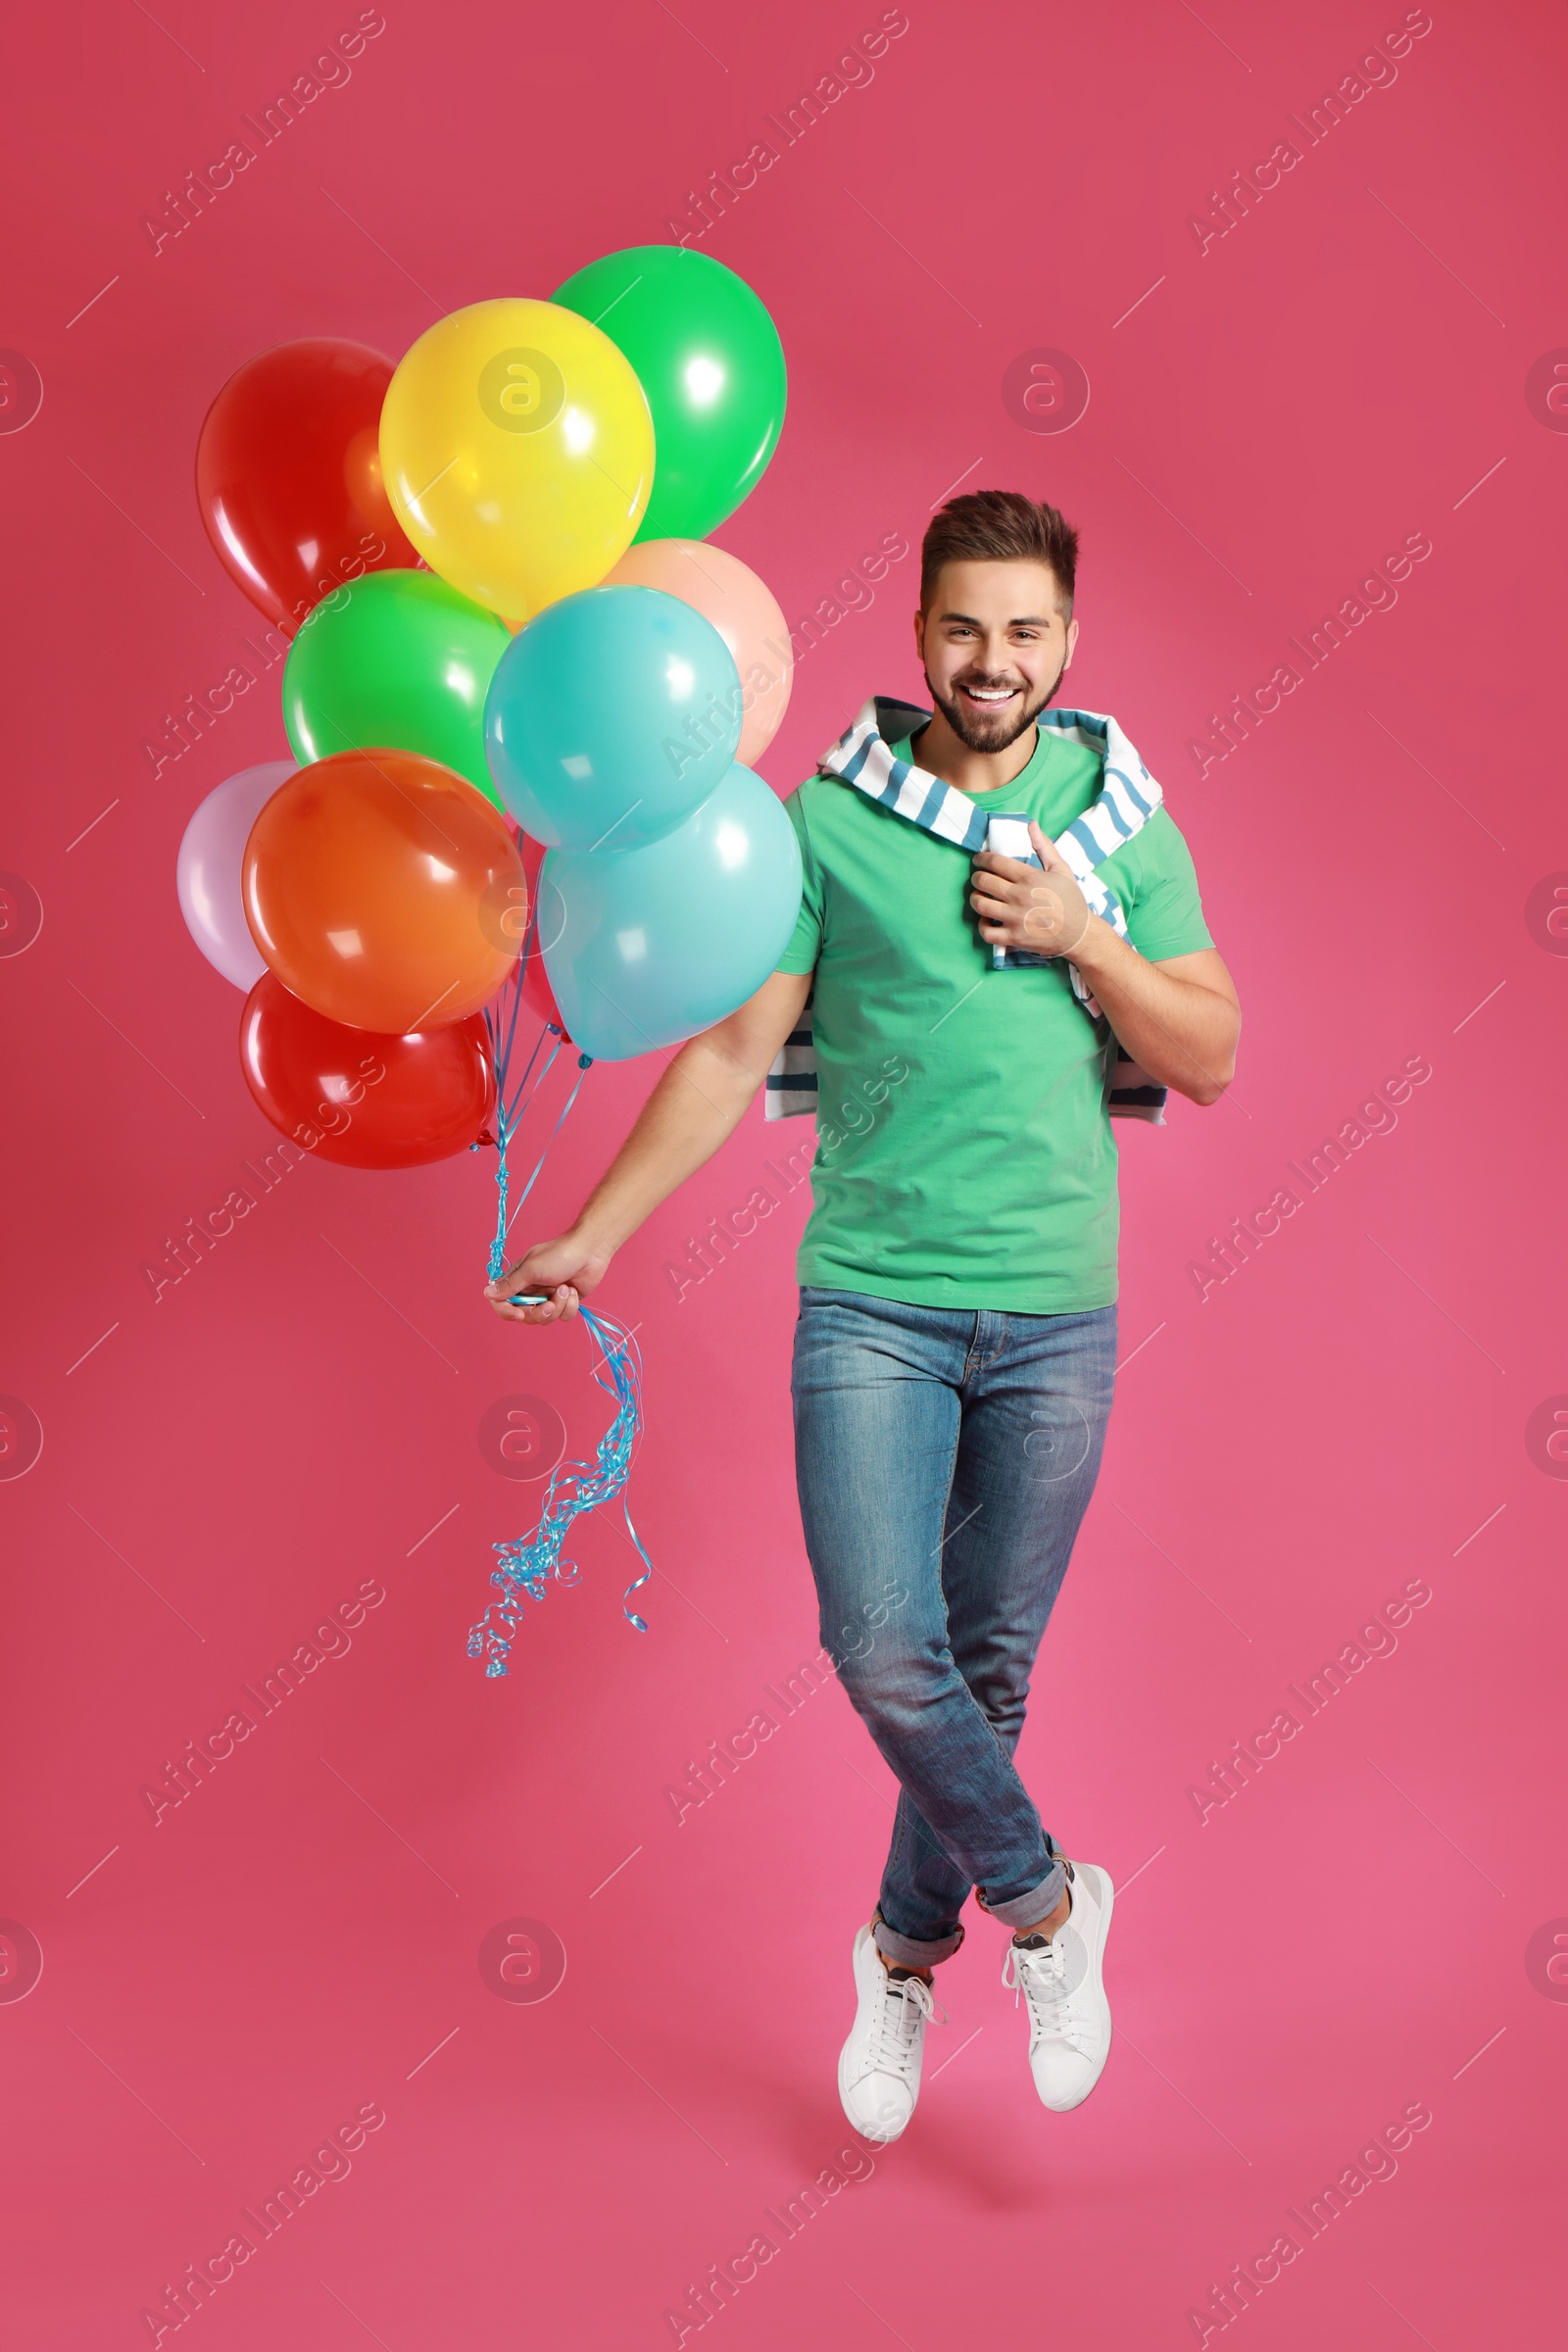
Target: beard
982, 734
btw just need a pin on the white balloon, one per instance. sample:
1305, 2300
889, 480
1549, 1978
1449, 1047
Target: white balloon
211, 859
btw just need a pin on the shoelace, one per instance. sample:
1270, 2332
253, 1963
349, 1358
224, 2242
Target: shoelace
1042, 1978
903, 2007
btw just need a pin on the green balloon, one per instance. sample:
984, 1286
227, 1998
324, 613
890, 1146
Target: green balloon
396, 660
713, 366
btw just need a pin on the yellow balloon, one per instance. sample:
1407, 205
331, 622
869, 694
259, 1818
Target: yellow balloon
518, 450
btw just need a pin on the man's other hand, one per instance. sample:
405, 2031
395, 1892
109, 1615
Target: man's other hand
565, 1270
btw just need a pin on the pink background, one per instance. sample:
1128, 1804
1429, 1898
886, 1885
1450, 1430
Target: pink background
1367, 1925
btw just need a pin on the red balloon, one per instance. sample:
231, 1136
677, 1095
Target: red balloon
537, 992
288, 475
360, 1098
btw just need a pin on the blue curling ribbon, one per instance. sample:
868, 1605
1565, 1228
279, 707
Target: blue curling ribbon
528, 1564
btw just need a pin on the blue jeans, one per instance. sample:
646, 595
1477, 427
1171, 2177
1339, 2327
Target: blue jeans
945, 1460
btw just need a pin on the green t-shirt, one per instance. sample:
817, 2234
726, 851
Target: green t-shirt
965, 1156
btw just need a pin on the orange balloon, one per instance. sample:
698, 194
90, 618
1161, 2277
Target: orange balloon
385, 891
741, 608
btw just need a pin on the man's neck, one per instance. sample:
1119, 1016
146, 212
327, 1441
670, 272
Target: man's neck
940, 753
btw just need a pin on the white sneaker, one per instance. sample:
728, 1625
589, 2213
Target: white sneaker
879, 2065
1063, 1982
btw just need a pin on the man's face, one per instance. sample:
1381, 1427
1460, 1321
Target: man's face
994, 644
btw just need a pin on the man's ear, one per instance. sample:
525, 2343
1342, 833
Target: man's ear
1072, 641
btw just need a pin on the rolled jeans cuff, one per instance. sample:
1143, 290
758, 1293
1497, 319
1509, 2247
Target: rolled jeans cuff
907, 1953
1026, 1910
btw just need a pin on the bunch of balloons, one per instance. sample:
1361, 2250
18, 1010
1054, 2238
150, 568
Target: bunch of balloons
523, 695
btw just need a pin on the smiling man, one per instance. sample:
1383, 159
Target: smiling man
965, 1023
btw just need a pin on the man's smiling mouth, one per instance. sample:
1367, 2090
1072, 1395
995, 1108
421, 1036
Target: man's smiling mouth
989, 698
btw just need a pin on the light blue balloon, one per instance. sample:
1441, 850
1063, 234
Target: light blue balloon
650, 948
610, 718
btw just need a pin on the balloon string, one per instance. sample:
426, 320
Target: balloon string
510, 1113
505, 1223
506, 1124
527, 1564
518, 970
520, 967
513, 1112
530, 948
502, 1053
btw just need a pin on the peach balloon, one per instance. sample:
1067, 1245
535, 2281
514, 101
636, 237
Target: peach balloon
744, 612
384, 891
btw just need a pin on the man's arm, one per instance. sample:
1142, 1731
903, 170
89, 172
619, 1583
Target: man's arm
697, 1106
1179, 1019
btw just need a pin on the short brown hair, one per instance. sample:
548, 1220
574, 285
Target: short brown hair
999, 526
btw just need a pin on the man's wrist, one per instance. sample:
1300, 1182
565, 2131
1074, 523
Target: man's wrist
596, 1235
1097, 950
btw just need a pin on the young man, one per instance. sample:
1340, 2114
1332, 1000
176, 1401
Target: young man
955, 1346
